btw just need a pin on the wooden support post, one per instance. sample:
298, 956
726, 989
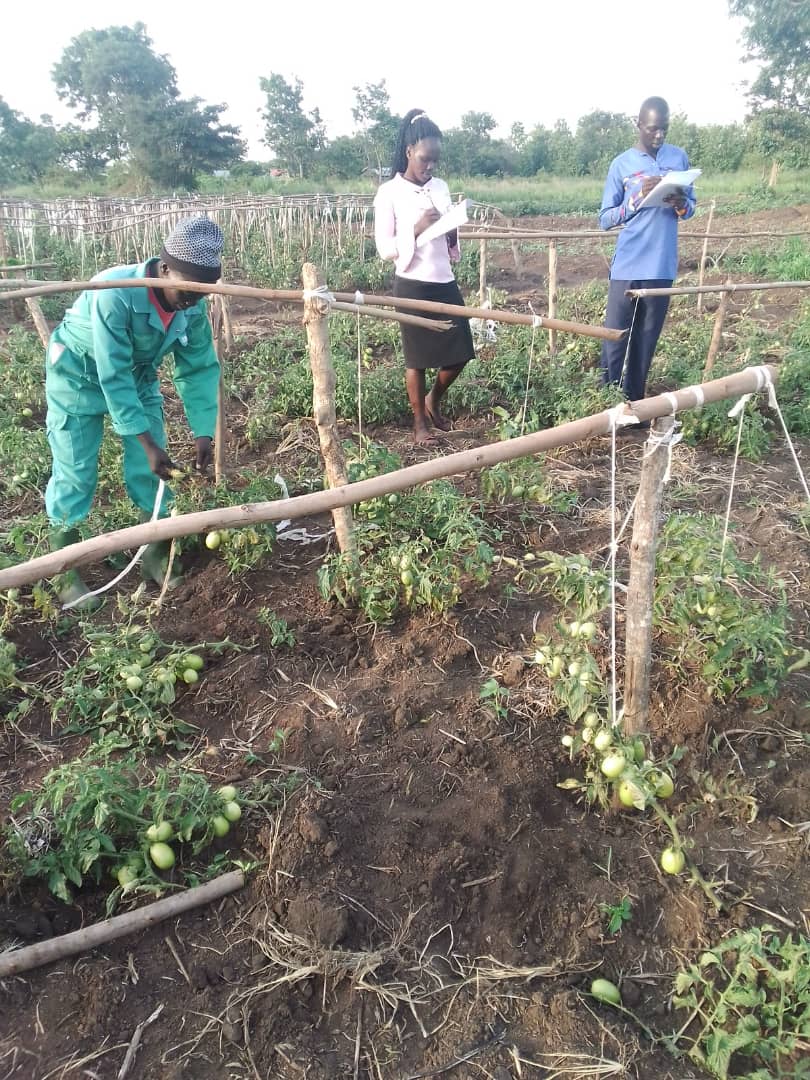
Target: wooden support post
39, 320
227, 326
717, 332
704, 254
323, 400
215, 311
641, 586
552, 293
482, 273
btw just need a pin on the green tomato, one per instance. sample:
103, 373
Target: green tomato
518, 491
190, 676
213, 540
28, 413
664, 786
603, 738
639, 749
227, 792
556, 667
232, 811
134, 683
161, 832
591, 720
126, 875
220, 825
567, 741
587, 630
629, 794
162, 856
613, 765
574, 668
406, 577
672, 860
573, 629
194, 662
606, 991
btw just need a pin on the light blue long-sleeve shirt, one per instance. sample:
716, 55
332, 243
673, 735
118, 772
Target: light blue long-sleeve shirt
647, 248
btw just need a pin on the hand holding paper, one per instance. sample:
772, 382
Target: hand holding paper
672, 184
455, 216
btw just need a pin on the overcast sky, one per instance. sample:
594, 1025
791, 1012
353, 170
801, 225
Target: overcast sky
533, 61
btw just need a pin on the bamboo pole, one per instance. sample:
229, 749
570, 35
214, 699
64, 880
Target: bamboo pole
23, 266
641, 583
39, 320
227, 326
552, 293
692, 290
342, 302
90, 937
100, 547
717, 334
501, 233
704, 253
316, 312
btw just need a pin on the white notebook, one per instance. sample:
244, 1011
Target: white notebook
455, 216
670, 184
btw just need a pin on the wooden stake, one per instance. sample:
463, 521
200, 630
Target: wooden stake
320, 502
216, 315
316, 313
717, 333
482, 273
227, 326
39, 320
704, 253
552, 293
641, 586
45, 952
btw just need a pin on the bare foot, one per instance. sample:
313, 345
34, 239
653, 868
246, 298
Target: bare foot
422, 435
436, 418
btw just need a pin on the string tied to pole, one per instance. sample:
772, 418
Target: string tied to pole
320, 293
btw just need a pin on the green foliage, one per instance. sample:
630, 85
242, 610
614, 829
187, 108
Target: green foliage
616, 915
718, 616
496, 697
280, 632
126, 683
793, 388
293, 135
748, 1000
89, 818
524, 479
24, 456
777, 33
415, 548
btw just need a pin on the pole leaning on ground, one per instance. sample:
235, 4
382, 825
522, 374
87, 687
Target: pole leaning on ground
100, 547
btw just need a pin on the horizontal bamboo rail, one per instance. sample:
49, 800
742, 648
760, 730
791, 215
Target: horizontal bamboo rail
500, 233
100, 547
14, 961
341, 302
28, 266
726, 287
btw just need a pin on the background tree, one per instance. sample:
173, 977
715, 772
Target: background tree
292, 135
778, 36
115, 78
376, 125
27, 150
599, 138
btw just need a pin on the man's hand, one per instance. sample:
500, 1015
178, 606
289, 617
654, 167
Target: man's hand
204, 453
648, 183
426, 220
677, 200
159, 461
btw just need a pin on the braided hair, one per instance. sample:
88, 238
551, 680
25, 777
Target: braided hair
416, 125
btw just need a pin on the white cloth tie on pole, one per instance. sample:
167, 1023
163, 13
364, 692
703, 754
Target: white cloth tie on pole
321, 293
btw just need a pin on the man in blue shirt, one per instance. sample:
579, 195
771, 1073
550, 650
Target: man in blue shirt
646, 250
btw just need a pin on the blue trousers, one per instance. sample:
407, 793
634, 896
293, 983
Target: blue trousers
639, 349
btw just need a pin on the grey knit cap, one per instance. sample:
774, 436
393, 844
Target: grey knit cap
194, 247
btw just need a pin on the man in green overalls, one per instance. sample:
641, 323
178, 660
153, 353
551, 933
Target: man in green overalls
104, 358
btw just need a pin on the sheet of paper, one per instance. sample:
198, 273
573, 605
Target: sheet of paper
455, 217
669, 185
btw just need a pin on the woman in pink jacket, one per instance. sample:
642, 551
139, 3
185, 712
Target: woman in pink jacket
404, 207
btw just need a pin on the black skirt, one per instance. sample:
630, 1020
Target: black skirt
423, 348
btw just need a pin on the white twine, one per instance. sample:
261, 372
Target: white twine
629, 339
536, 321
668, 439
133, 562
763, 373
698, 392
359, 298
738, 410
618, 418
673, 401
